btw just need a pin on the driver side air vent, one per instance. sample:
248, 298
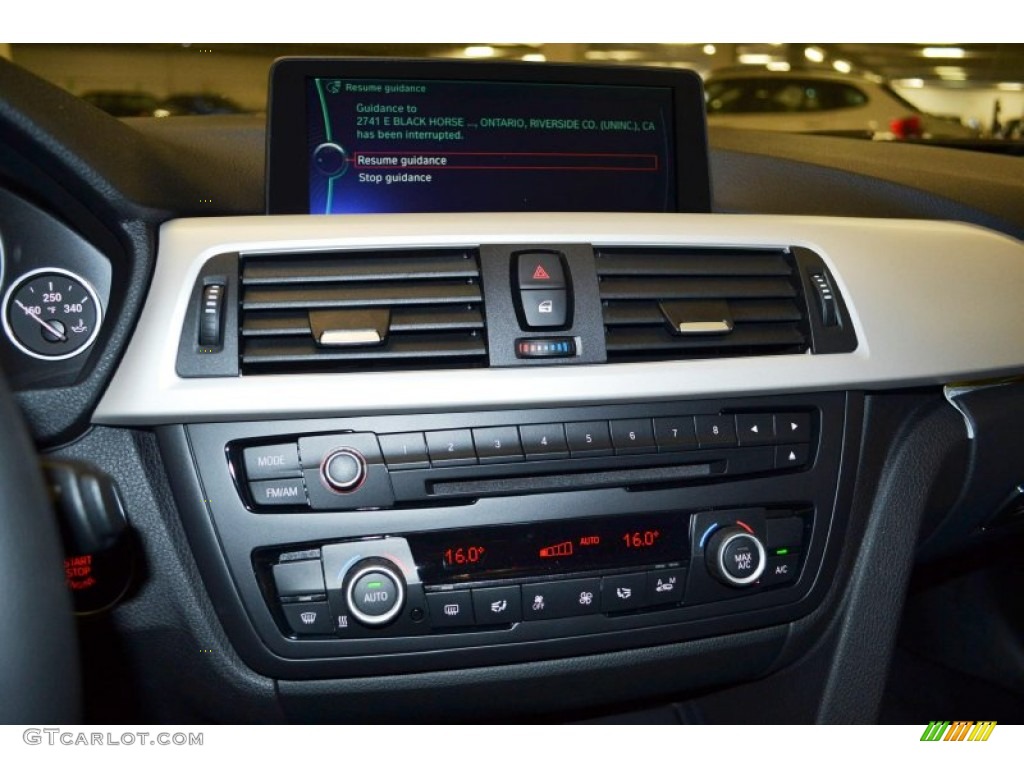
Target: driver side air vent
690, 303
361, 310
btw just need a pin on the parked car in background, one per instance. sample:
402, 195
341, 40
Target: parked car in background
813, 101
123, 103
197, 104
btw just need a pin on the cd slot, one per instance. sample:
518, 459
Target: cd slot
576, 480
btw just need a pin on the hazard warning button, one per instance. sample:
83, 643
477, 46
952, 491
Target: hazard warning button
542, 269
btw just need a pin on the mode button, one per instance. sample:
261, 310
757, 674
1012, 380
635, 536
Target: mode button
270, 462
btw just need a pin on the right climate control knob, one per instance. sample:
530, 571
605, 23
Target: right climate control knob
735, 556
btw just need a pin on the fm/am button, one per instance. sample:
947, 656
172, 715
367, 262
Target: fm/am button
279, 493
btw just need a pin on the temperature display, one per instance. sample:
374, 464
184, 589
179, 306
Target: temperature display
505, 551
641, 539
51, 314
470, 555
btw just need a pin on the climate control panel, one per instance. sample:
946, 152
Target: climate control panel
494, 577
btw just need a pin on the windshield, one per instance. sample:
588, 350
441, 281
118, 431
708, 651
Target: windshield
958, 94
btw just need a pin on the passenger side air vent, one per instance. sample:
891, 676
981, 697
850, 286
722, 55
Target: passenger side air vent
672, 303
361, 310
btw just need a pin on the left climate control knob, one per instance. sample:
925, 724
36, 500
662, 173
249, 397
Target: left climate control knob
375, 592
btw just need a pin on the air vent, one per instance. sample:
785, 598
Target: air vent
670, 303
361, 310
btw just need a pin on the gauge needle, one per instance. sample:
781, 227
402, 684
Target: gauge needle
53, 331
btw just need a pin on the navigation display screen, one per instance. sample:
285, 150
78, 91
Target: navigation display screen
387, 146
365, 136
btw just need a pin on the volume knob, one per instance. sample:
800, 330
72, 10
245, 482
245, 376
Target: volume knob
343, 470
735, 556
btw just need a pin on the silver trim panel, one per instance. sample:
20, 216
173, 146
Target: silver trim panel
931, 302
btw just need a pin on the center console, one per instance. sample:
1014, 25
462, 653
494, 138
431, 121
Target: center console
487, 537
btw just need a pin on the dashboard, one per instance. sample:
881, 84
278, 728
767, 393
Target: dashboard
509, 466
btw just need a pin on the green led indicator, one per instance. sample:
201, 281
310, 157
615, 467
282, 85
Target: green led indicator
375, 585
782, 551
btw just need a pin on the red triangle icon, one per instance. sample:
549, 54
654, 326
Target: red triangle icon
540, 273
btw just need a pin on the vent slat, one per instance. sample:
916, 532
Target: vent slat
624, 288
647, 313
625, 339
402, 320
358, 268
758, 289
291, 350
696, 264
360, 296
433, 300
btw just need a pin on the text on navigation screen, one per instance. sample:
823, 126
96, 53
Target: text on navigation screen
406, 146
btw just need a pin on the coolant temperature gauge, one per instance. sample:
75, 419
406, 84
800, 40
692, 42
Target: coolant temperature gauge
51, 314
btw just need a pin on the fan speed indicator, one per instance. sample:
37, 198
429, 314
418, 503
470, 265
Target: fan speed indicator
51, 314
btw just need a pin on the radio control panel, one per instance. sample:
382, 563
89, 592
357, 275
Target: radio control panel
364, 470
